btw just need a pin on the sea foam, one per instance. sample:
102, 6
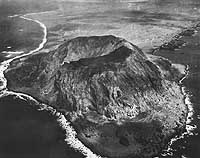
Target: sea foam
70, 136
189, 127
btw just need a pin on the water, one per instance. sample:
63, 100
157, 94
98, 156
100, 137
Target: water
189, 146
13, 29
38, 145
30, 130
29, 133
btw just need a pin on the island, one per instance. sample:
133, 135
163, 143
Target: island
122, 102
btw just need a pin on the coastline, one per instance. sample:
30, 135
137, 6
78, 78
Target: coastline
70, 132
188, 129
173, 40
5, 64
62, 119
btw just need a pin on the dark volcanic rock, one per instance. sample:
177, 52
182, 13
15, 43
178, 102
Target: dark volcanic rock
121, 102
173, 44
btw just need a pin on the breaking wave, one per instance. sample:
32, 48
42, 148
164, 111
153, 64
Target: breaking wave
70, 136
189, 127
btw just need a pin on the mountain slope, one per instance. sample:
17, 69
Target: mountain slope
121, 102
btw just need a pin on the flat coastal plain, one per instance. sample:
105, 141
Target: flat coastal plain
147, 24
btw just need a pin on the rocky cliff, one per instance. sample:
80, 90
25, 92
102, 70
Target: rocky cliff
121, 102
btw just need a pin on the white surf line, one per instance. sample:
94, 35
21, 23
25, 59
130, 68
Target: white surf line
9, 54
72, 140
13, 16
71, 135
4, 65
189, 128
45, 12
17, 15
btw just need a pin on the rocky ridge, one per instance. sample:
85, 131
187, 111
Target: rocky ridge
122, 102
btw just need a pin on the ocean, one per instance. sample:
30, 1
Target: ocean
30, 131
189, 54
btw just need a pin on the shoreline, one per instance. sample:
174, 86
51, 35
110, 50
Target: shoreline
188, 129
189, 31
70, 133
5, 64
70, 139
62, 120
